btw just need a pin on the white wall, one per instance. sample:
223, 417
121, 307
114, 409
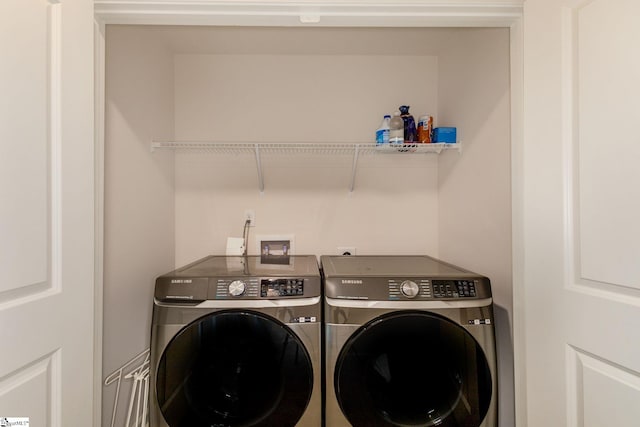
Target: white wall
302, 98
139, 235
474, 188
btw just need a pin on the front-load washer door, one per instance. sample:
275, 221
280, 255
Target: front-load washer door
412, 369
234, 369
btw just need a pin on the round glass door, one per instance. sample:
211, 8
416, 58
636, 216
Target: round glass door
234, 369
413, 369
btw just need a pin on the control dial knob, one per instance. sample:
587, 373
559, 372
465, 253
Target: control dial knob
237, 288
409, 288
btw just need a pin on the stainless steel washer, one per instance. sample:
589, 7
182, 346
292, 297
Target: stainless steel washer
409, 341
235, 342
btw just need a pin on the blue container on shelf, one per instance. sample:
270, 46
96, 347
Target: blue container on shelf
445, 134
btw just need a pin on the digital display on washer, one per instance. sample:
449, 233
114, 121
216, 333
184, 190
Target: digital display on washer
453, 288
281, 288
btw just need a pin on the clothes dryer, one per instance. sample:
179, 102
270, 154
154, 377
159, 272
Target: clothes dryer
236, 342
409, 341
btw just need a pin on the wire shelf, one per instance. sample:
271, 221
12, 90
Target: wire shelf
307, 147
259, 149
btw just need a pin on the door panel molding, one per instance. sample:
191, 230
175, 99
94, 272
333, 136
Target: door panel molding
600, 390
55, 142
586, 242
35, 388
606, 253
23, 288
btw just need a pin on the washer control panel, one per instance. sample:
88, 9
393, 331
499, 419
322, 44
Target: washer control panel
454, 288
236, 288
281, 288
259, 288
400, 289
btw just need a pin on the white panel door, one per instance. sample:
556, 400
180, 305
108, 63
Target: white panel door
46, 212
582, 205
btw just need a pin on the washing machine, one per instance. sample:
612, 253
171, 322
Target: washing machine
409, 341
236, 342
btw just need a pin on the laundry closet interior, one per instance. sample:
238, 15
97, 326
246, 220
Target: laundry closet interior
326, 87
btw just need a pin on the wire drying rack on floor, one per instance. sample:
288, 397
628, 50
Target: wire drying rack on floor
135, 371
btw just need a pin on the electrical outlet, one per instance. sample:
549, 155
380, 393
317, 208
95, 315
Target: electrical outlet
250, 214
346, 250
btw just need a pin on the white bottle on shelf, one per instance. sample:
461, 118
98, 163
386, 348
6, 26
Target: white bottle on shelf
382, 133
396, 129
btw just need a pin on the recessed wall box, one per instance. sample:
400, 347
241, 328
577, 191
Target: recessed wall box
275, 251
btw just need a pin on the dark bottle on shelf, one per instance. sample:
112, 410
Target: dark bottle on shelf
410, 134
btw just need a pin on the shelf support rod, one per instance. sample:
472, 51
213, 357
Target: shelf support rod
259, 167
354, 167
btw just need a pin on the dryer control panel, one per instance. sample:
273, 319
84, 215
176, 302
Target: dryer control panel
408, 288
400, 278
431, 289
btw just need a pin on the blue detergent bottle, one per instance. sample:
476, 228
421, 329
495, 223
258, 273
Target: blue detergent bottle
382, 133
